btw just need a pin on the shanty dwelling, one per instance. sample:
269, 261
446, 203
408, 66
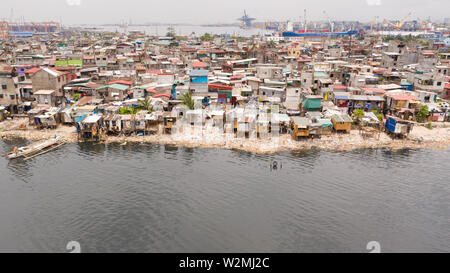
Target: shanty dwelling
311, 103
342, 123
66, 115
46, 97
326, 126
33, 113
195, 117
79, 112
262, 127
113, 92
8, 88
315, 127
152, 123
341, 99
282, 120
169, 123
395, 103
127, 124
233, 116
299, 127
397, 127
90, 128
368, 103
140, 122
113, 124
111, 110
246, 125
48, 120
218, 117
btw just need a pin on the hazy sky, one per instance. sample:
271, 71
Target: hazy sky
214, 11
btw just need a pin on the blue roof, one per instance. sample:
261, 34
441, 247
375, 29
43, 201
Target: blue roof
342, 97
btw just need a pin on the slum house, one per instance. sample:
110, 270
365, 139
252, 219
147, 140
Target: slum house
90, 128
342, 123
113, 92
299, 127
50, 79
48, 119
198, 81
8, 91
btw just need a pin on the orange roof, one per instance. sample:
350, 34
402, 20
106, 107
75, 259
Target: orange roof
32, 70
403, 97
339, 87
198, 64
375, 90
162, 95
122, 82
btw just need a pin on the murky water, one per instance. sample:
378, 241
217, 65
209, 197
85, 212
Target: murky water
154, 198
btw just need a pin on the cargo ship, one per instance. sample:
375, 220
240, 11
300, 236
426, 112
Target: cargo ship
318, 34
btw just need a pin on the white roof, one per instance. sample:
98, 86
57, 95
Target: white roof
92, 119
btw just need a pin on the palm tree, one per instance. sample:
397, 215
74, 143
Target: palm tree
145, 104
188, 101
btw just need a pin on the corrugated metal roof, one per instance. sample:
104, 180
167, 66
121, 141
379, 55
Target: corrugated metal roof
342, 118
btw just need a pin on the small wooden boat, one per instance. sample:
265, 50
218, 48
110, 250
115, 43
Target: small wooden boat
34, 148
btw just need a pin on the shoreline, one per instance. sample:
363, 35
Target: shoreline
420, 138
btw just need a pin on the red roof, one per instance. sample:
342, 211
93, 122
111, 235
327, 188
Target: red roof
161, 95
150, 90
403, 97
122, 82
237, 77
219, 87
32, 70
374, 90
447, 85
379, 70
198, 64
339, 87
153, 71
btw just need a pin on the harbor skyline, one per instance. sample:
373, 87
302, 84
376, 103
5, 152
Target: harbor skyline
90, 12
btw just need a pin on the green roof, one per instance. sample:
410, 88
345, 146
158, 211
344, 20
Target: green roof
115, 86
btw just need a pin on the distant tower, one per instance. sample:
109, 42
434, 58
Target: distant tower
246, 20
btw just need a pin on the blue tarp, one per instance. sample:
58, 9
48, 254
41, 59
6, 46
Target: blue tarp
390, 125
78, 119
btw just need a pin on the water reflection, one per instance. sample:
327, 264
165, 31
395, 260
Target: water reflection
163, 198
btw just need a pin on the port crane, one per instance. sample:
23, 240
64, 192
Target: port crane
329, 21
373, 22
246, 20
400, 24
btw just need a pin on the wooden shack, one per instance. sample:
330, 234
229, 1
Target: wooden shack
113, 124
140, 122
127, 124
90, 128
397, 127
218, 117
153, 123
327, 126
299, 127
169, 123
342, 123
